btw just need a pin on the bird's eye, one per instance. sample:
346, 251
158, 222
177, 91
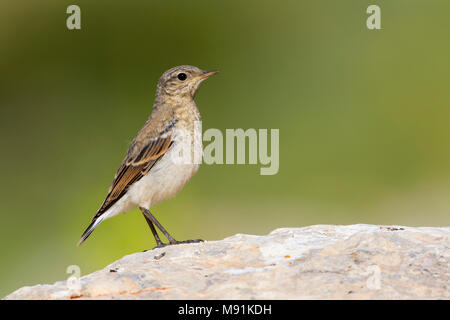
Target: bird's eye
182, 76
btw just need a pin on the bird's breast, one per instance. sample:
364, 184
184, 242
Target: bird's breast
170, 173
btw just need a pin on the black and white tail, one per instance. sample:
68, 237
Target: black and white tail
95, 222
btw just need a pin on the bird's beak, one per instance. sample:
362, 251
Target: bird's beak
206, 74
209, 73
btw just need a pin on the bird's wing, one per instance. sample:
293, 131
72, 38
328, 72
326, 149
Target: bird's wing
135, 165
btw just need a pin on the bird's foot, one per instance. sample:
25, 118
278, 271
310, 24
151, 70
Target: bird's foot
188, 241
174, 242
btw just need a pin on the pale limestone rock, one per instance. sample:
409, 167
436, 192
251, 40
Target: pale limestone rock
317, 262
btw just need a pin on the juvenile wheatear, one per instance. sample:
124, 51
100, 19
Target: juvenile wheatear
150, 173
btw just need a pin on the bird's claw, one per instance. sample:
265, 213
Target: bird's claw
188, 241
163, 245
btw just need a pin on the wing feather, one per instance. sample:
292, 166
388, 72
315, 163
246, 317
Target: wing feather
132, 169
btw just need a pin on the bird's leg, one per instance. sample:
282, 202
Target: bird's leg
159, 243
152, 220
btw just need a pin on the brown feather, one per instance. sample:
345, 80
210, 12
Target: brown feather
132, 170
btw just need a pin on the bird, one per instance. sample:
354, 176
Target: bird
159, 161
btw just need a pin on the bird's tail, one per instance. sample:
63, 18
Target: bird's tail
90, 228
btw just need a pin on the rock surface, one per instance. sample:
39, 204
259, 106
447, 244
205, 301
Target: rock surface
317, 262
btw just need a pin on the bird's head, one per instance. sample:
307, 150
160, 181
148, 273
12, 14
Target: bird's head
182, 81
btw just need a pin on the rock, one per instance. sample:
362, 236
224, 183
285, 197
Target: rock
317, 262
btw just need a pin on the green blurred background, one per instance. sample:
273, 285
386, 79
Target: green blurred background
363, 118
